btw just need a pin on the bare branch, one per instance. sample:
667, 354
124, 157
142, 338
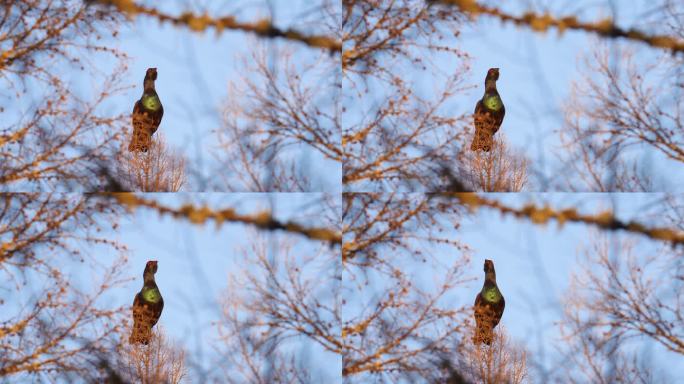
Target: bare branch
605, 220
541, 23
197, 215
199, 23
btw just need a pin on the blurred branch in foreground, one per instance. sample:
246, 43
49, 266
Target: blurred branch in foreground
197, 215
49, 324
604, 220
198, 23
398, 221
541, 23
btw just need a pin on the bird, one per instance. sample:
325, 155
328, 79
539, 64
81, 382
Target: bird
147, 307
489, 114
489, 307
147, 114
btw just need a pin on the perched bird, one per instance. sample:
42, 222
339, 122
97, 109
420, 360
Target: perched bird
147, 307
147, 114
489, 306
489, 114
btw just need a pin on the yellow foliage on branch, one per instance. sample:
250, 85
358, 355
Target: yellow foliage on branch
541, 215
199, 215
199, 23
541, 23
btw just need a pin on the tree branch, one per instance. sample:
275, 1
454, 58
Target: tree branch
604, 220
195, 215
541, 23
262, 28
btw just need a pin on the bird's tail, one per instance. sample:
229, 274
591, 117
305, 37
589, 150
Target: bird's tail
140, 334
140, 140
482, 141
483, 335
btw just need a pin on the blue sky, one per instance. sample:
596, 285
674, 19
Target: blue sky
537, 70
537, 73
196, 67
196, 262
534, 262
195, 70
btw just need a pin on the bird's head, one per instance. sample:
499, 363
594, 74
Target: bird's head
488, 266
151, 267
151, 74
492, 74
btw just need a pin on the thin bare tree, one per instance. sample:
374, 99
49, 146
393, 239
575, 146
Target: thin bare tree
161, 361
627, 103
615, 115
502, 362
503, 169
160, 169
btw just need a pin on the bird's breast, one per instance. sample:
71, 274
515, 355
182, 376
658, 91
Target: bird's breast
151, 295
491, 295
151, 103
493, 103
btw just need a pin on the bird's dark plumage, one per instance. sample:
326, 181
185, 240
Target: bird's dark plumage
489, 307
147, 115
489, 114
147, 307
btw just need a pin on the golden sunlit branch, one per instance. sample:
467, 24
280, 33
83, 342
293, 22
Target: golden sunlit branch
200, 23
605, 220
541, 23
200, 215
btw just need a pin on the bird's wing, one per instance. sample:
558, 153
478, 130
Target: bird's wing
499, 116
478, 300
480, 116
156, 119
479, 107
137, 301
138, 115
155, 312
139, 310
137, 108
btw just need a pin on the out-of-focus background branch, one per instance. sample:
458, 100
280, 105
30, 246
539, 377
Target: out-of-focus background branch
541, 215
199, 23
543, 22
199, 215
